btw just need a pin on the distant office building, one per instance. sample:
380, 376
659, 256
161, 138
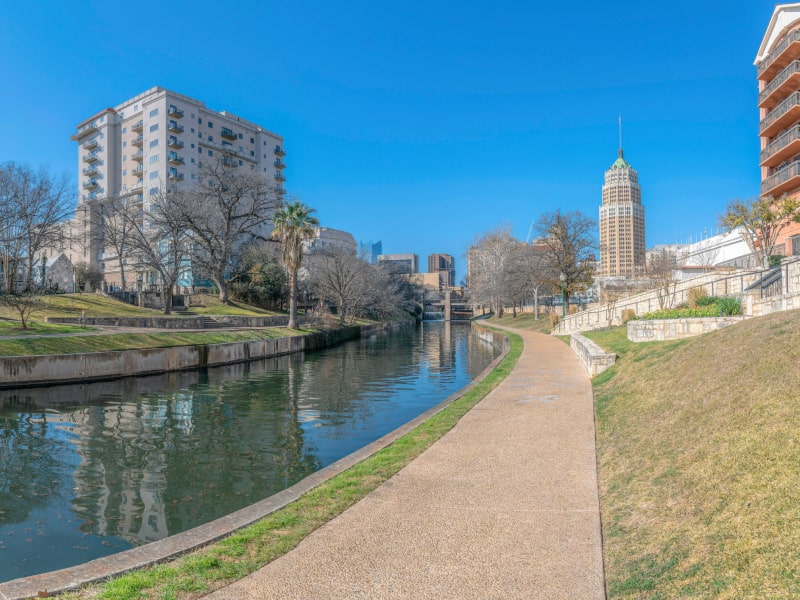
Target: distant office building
370, 252
400, 263
778, 65
326, 238
160, 138
622, 247
445, 266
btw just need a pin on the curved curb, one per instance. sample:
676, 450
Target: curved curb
71, 578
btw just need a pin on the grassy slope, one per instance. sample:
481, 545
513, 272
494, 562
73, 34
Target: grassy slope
699, 458
205, 304
525, 321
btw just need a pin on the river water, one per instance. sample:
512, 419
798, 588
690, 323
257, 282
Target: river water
89, 470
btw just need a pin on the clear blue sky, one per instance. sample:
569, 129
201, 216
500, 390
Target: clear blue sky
422, 124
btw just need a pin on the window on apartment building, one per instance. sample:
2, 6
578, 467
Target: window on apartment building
210, 124
192, 129
200, 121
252, 141
153, 174
191, 116
211, 153
192, 145
240, 136
199, 150
124, 157
241, 149
154, 143
192, 173
124, 130
211, 138
241, 163
124, 144
154, 127
193, 160
154, 159
153, 191
252, 153
135, 107
124, 172
154, 112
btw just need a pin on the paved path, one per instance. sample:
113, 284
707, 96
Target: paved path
503, 506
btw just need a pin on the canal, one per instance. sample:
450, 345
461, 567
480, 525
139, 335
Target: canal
90, 470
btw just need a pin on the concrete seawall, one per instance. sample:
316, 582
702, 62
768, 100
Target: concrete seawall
20, 371
195, 322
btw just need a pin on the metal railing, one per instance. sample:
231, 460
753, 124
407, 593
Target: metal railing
779, 111
777, 51
780, 79
779, 143
782, 176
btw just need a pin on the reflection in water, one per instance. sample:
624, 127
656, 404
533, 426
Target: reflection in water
88, 470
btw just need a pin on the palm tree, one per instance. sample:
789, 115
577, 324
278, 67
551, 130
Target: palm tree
293, 225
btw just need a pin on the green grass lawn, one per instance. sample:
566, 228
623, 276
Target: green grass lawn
38, 328
206, 304
130, 341
71, 305
524, 321
699, 463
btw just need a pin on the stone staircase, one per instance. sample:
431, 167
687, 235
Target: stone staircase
206, 322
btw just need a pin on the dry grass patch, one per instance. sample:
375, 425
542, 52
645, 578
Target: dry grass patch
699, 458
524, 321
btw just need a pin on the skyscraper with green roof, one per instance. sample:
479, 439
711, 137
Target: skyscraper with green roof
622, 246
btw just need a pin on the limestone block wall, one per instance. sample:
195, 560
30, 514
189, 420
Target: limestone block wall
659, 330
195, 322
594, 358
609, 315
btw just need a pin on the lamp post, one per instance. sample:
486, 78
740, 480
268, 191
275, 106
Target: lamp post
563, 279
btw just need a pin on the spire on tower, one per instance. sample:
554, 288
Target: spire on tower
621, 155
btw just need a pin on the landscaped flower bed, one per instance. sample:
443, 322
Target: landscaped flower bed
707, 306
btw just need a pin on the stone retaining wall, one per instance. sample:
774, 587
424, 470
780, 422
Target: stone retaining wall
659, 330
594, 358
19, 371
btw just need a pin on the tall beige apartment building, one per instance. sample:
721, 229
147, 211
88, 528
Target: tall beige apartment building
778, 73
622, 246
157, 138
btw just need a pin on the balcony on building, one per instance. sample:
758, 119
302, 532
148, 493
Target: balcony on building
174, 112
229, 161
782, 148
279, 151
280, 176
90, 185
782, 54
228, 133
174, 175
175, 159
785, 82
782, 181
279, 164
90, 196
280, 190
83, 131
138, 156
91, 157
175, 127
138, 171
90, 145
138, 140
783, 115
174, 142
90, 171
138, 126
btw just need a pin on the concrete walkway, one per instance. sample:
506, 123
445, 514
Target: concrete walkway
503, 506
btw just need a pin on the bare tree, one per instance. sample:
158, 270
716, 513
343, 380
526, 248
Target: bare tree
342, 279
33, 204
117, 216
567, 242
661, 272
227, 207
160, 241
528, 274
762, 219
490, 257
24, 303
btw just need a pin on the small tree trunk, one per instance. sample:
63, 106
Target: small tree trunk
293, 299
167, 300
122, 271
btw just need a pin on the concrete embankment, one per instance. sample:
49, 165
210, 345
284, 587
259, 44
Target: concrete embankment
19, 371
193, 322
